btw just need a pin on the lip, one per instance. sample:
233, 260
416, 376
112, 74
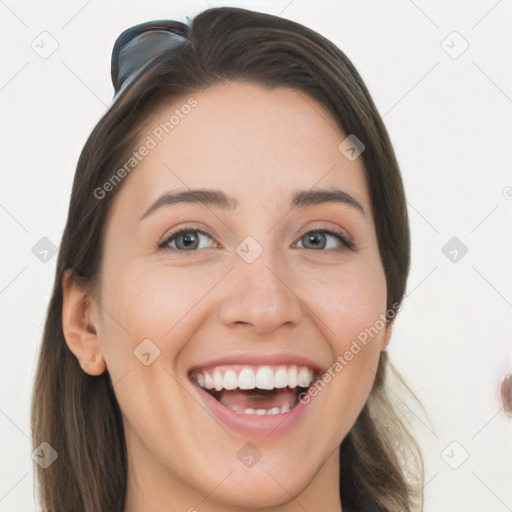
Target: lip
259, 359
254, 426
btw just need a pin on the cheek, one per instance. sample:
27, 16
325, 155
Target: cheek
350, 304
348, 301
148, 302
145, 302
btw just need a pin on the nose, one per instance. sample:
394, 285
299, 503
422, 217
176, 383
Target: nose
261, 295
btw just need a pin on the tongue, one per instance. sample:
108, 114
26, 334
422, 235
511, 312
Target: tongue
258, 398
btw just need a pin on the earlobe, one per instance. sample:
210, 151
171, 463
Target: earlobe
78, 326
94, 364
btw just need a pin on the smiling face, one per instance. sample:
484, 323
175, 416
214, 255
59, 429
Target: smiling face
254, 284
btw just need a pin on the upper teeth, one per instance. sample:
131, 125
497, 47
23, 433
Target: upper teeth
251, 377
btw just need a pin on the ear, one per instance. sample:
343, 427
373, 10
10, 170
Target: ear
79, 321
387, 334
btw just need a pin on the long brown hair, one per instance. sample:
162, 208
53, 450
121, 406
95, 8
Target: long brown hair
76, 413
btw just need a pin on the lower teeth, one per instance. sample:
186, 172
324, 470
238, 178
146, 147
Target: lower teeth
275, 410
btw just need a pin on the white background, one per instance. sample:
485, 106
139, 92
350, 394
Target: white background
450, 123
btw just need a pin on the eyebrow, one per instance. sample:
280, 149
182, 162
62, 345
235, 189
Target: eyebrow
218, 198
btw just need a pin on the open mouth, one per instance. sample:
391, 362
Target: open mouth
256, 389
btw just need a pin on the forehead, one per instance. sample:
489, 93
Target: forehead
258, 144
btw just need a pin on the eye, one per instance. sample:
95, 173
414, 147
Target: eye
316, 240
186, 239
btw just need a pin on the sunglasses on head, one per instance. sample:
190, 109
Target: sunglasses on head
140, 44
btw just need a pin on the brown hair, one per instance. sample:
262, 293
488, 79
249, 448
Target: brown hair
76, 413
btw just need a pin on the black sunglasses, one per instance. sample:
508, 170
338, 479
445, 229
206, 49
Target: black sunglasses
137, 46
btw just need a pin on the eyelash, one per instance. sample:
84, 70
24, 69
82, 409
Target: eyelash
184, 231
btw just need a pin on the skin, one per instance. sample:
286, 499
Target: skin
259, 145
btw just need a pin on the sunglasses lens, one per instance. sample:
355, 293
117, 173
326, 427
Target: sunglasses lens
129, 57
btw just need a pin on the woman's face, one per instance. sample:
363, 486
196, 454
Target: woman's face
253, 288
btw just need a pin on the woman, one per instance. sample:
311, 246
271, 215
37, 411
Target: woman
236, 250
